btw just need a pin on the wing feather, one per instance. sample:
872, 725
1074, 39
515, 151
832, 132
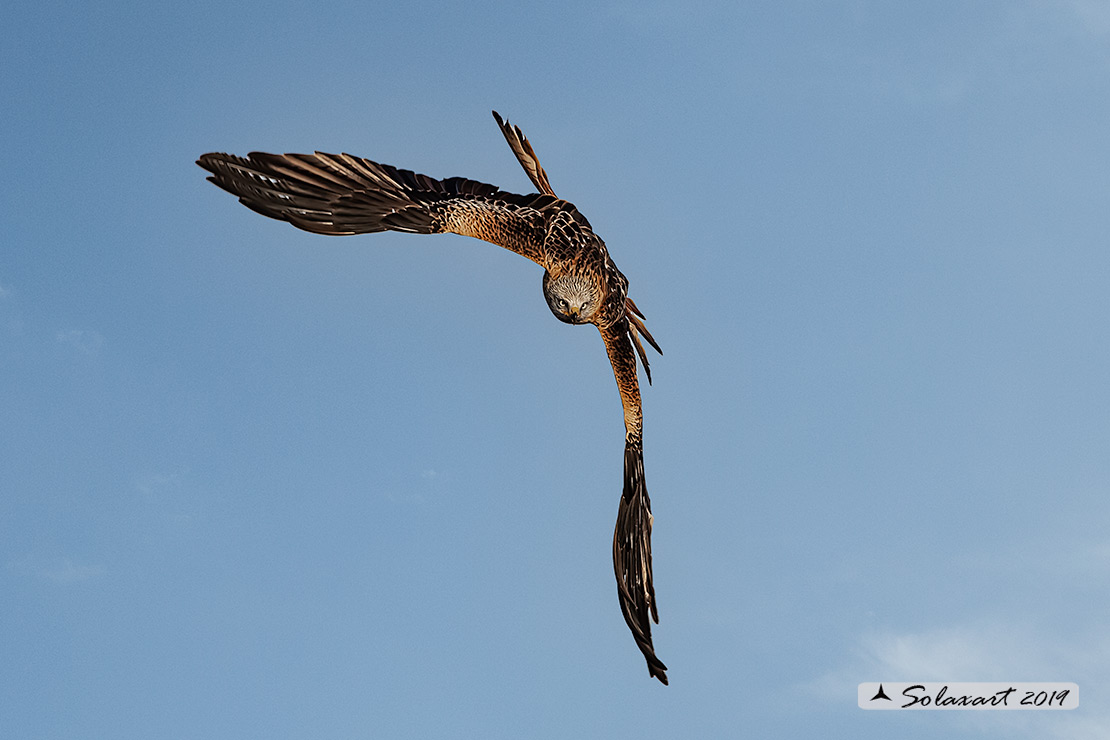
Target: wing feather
338, 194
632, 534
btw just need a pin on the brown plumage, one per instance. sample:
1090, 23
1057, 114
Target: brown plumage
337, 194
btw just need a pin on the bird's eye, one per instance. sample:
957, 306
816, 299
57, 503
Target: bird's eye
563, 304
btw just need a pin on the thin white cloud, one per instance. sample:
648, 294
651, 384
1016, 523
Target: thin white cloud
1065, 564
980, 652
1093, 15
84, 341
9, 319
988, 650
59, 570
169, 496
158, 484
65, 570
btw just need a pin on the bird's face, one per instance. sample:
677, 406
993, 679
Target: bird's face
572, 298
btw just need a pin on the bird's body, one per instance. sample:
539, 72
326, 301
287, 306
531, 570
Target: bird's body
337, 194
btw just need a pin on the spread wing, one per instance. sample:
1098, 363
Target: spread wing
632, 536
338, 194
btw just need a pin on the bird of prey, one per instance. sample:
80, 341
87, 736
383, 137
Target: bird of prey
338, 194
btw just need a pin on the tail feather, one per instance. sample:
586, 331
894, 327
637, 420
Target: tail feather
635, 328
525, 154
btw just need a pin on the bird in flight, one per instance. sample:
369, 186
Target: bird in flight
338, 194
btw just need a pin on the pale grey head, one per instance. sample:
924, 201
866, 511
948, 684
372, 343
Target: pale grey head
574, 299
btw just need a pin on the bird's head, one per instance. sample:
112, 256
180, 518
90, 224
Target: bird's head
572, 298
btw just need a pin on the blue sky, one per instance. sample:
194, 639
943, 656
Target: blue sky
257, 483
